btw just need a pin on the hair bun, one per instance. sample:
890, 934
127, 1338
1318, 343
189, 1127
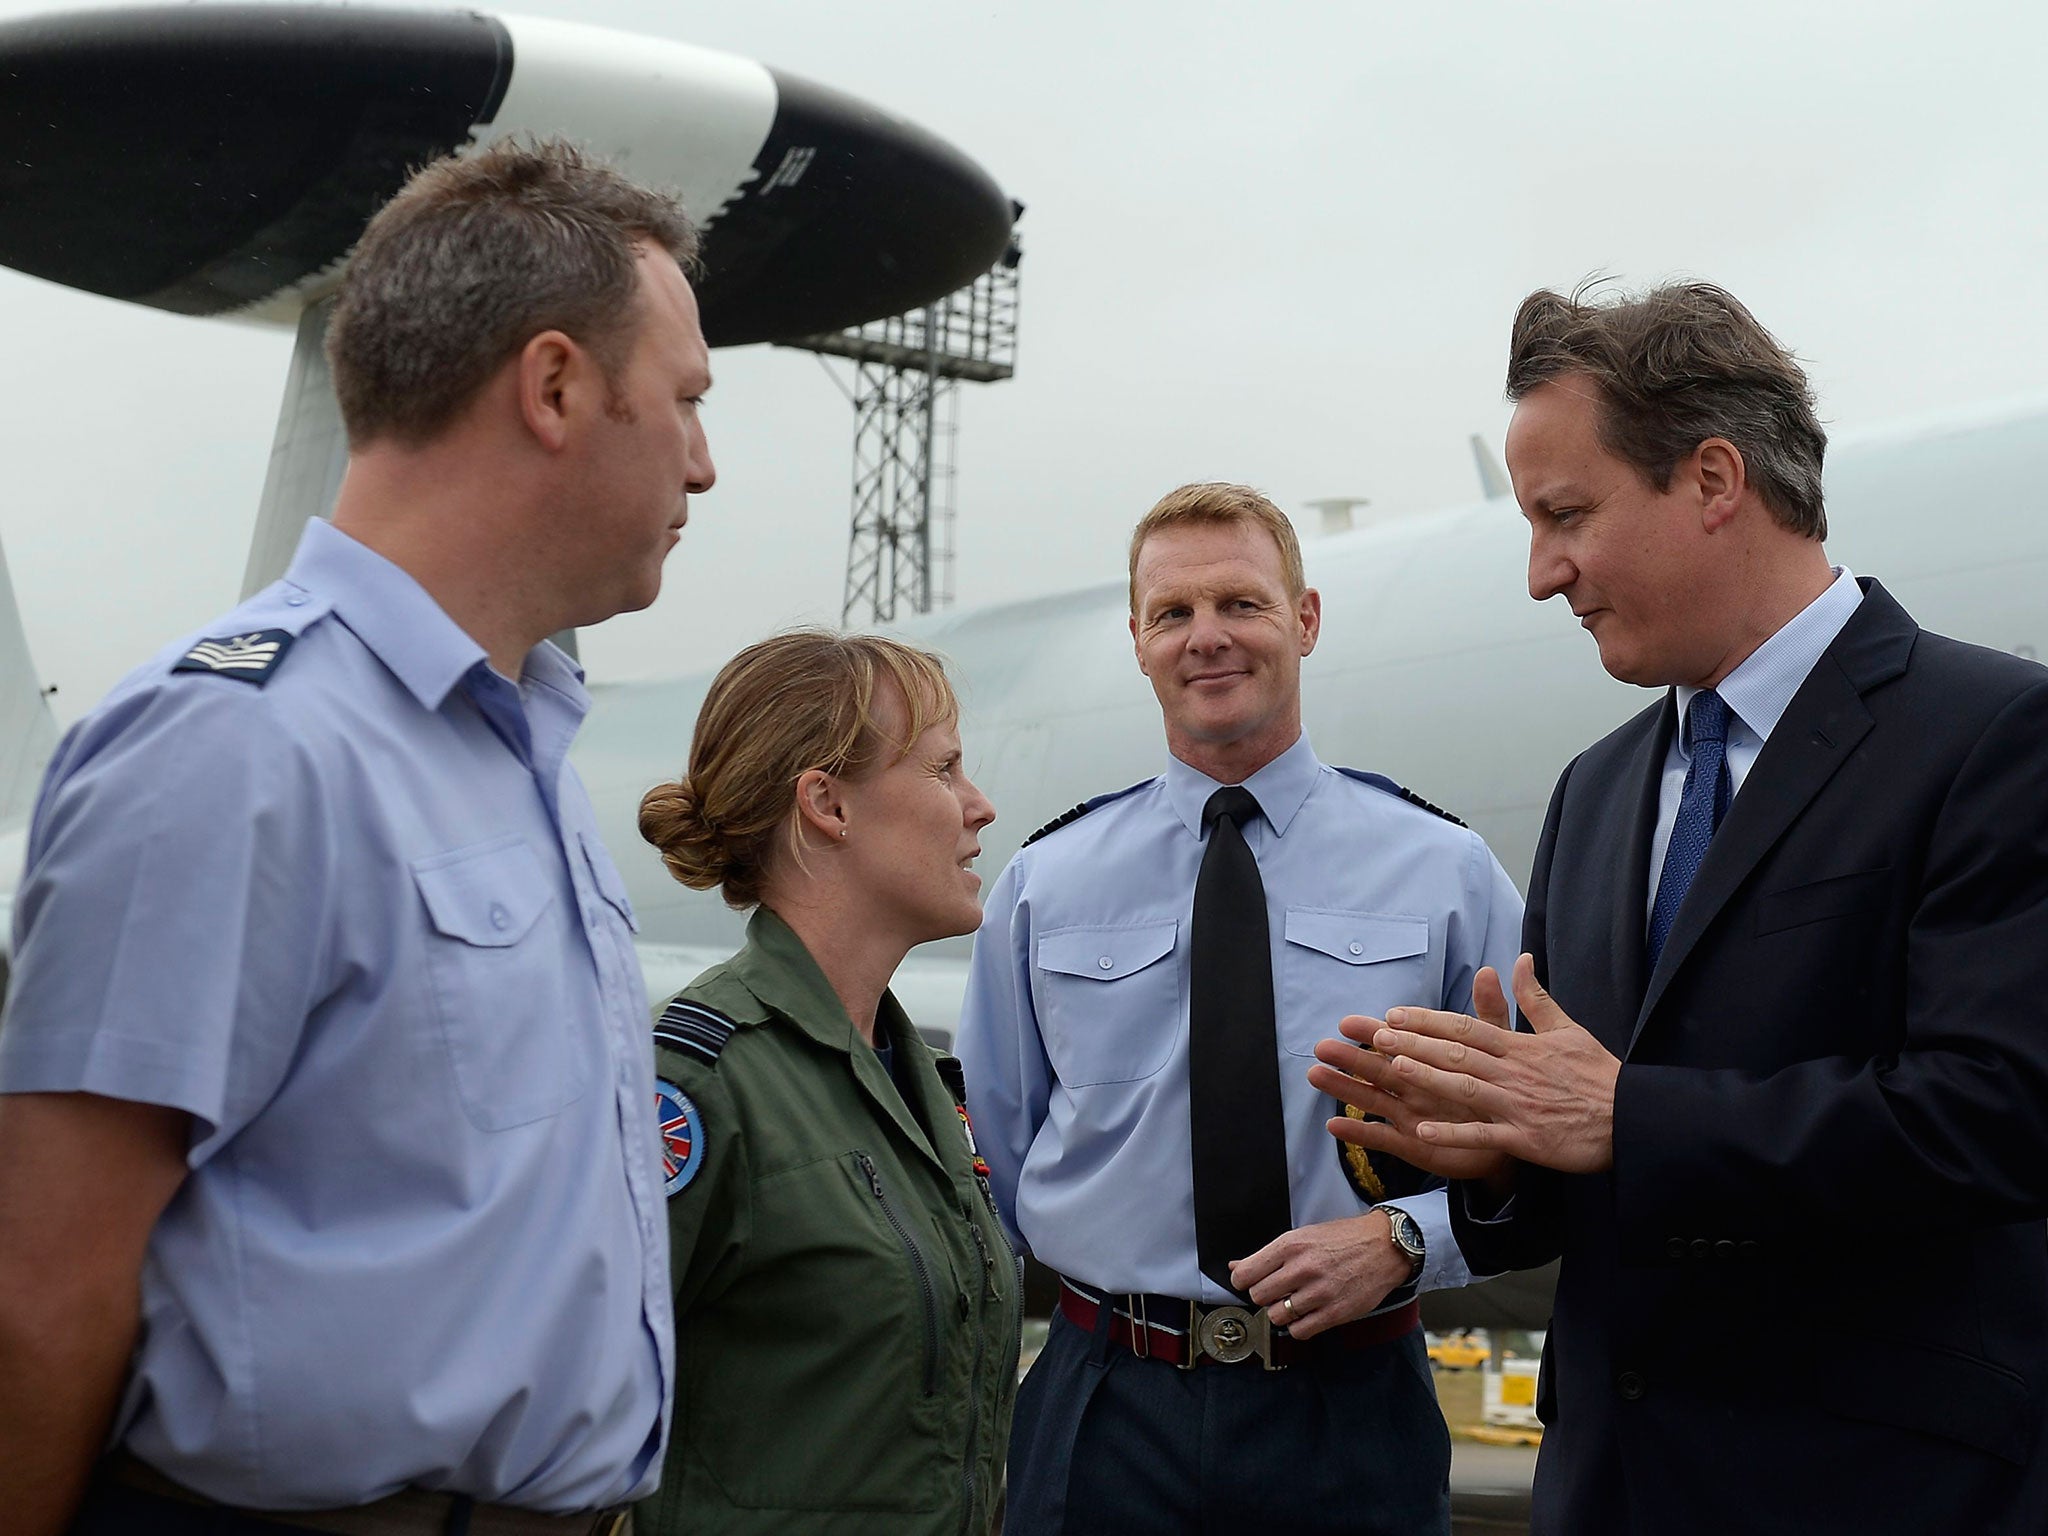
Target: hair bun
691, 847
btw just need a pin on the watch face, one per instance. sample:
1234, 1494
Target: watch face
1407, 1235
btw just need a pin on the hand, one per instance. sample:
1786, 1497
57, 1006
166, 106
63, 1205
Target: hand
1333, 1272
1545, 1098
1369, 1081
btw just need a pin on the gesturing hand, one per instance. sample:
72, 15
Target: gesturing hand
1544, 1098
1369, 1081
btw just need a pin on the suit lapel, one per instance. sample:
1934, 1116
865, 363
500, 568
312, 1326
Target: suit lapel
1820, 728
1628, 858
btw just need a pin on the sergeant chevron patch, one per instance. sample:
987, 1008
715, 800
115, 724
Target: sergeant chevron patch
251, 657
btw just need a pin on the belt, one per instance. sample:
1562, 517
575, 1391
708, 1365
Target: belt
409, 1512
1187, 1333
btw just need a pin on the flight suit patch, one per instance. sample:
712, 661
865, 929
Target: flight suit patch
682, 1136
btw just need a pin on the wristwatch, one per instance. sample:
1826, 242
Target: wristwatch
1407, 1235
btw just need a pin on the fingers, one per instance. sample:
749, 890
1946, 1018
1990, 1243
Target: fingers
1453, 1028
1349, 1090
1374, 1135
1489, 1000
1360, 1027
1537, 1005
1473, 1097
1251, 1271
1470, 1135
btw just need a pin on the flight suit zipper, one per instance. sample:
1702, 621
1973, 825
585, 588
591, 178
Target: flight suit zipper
918, 1267
970, 1471
976, 1494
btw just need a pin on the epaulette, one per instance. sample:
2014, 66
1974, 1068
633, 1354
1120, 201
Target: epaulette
694, 1027
1381, 781
1081, 810
251, 657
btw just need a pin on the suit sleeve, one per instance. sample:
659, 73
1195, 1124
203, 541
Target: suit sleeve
1955, 1122
1527, 1230
1484, 931
1009, 1079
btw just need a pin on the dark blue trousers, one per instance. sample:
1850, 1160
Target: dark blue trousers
1348, 1444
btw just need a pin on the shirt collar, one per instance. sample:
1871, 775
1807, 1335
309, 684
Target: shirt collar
1280, 787
1759, 691
777, 968
392, 614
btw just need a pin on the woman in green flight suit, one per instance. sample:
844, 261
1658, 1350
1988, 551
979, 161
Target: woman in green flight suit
847, 1306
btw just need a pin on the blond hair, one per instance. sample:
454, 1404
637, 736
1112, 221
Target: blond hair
1212, 502
807, 699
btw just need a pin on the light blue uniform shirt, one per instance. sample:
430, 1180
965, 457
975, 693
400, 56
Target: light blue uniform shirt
1757, 694
357, 922
1074, 1032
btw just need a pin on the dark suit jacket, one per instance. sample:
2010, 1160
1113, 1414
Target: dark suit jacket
1812, 1293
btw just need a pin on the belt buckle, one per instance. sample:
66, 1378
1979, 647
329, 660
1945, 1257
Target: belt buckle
1141, 1326
1228, 1334
613, 1522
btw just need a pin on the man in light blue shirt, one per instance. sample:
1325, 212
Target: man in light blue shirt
329, 1175
1311, 1409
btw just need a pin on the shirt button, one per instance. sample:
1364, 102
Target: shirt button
296, 600
1106, 963
499, 916
1631, 1386
1358, 949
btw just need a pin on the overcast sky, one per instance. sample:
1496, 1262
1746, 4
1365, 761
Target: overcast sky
1278, 244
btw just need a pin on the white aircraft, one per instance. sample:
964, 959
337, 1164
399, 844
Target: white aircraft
1434, 667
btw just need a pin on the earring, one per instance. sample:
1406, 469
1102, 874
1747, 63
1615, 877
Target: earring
842, 831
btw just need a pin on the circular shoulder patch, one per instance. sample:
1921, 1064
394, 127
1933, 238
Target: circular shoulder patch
682, 1136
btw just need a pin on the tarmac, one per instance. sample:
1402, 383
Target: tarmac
1490, 1488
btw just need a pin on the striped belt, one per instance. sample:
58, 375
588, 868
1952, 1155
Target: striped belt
409, 1512
1188, 1333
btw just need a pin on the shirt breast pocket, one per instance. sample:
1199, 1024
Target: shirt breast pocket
1108, 1001
499, 972
1337, 962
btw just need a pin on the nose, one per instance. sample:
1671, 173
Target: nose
703, 474
1549, 571
976, 809
1207, 632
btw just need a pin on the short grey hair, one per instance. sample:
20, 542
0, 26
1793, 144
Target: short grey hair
474, 257
1677, 365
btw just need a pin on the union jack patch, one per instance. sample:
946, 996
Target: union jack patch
682, 1136
251, 657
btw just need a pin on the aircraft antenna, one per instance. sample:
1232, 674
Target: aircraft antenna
906, 372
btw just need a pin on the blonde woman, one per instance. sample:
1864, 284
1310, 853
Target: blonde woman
847, 1306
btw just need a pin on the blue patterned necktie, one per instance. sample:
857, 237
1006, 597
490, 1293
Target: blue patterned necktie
1700, 809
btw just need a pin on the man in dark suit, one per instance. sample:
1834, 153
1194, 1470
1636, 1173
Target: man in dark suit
1784, 1106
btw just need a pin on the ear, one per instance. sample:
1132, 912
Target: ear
550, 369
1309, 611
820, 807
1137, 649
1722, 477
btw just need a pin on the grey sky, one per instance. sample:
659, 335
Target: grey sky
1277, 244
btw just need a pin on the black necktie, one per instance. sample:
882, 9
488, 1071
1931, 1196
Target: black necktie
1240, 1140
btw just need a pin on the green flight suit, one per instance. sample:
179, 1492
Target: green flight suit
847, 1306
